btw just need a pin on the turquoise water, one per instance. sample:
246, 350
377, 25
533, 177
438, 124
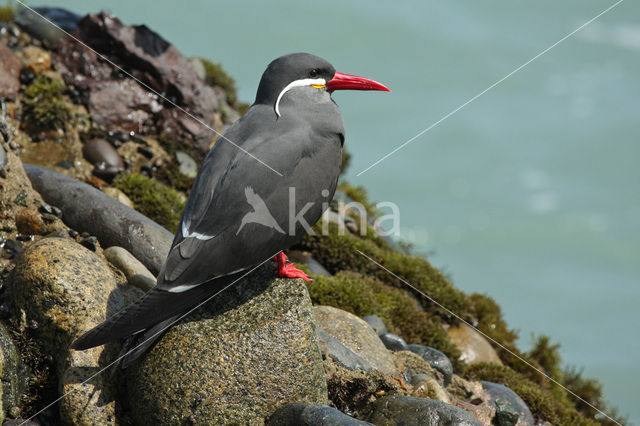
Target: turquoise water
529, 194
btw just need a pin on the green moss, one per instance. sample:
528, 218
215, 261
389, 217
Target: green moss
342, 253
153, 199
6, 14
215, 75
43, 107
170, 175
363, 295
490, 321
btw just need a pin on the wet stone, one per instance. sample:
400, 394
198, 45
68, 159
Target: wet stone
436, 359
376, 323
298, 414
411, 411
393, 342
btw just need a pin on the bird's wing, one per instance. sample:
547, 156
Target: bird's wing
206, 245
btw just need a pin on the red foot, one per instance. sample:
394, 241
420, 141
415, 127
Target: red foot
289, 270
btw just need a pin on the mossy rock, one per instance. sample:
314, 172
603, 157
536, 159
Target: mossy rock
42, 105
152, 198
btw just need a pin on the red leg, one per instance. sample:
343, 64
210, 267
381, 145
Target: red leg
289, 270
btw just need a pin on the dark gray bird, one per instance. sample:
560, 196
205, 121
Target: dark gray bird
252, 198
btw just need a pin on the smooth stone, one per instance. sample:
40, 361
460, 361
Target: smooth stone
356, 335
393, 342
436, 359
86, 208
104, 157
509, 402
9, 73
314, 267
340, 353
376, 323
65, 289
425, 386
410, 411
131, 267
187, 165
474, 347
302, 414
235, 359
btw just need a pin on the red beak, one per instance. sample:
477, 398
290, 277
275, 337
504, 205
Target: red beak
342, 81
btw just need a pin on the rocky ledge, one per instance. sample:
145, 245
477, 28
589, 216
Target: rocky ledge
94, 171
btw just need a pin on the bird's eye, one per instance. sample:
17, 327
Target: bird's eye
314, 73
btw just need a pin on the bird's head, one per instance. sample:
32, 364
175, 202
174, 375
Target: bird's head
304, 69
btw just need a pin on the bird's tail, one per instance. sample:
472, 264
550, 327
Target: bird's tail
139, 343
155, 307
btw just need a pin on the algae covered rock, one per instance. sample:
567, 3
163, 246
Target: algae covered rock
356, 335
13, 372
61, 290
235, 360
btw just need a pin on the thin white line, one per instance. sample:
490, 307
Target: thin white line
193, 117
145, 341
490, 87
493, 340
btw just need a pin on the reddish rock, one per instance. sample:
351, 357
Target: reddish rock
10, 66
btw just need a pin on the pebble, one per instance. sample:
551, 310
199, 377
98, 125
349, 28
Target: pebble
300, 413
104, 157
393, 342
425, 386
508, 402
188, 166
136, 273
436, 359
376, 323
90, 242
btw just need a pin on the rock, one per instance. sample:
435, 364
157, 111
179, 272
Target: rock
116, 194
90, 242
198, 66
188, 166
409, 411
340, 353
474, 347
425, 386
436, 359
132, 268
508, 403
356, 335
376, 323
43, 30
93, 402
19, 422
483, 412
87, 209
15, 376
152, 60
104, 157
301, 414
304, 257
36, 60
466, 390
63, 290
9, 73
123, 105
410, 364
393, 342
248, 350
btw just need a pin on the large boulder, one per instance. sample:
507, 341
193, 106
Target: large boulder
60, 290
250, 349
